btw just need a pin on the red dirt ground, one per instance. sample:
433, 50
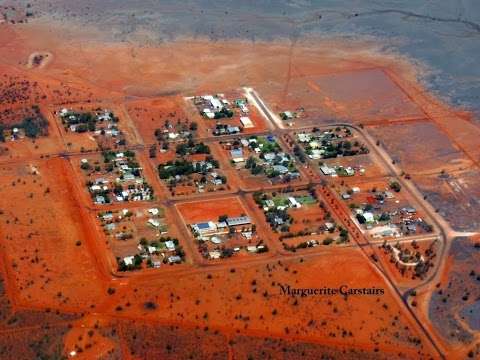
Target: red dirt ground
53, 229
198, 211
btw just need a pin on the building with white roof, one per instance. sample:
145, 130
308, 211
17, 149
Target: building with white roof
246, 122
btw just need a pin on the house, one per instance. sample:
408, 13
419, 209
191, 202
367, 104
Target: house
174, 259
107, 217
216, 240
387, 233
329, 226
314, 144
316, 154
110, 227
173, 135
128, 177
170, 245
411, 228
128, 260
151, 249
216, 103
95, 188
105, 116
238, 221
244, 108
269, 203
349, 171
368, 217
154, 211
100, 199
294, 203
280, 169
303, 138
239, 102
101, 181
237, 155
216, 181
389, 195
246, 122
154, 223
247, 235
327, 170
286, 115
209, 113
215, 254
269, 157
233, 129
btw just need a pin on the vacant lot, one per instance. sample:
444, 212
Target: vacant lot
358, 96
199, 211
42, 218
455, 195
421, 148
249, 300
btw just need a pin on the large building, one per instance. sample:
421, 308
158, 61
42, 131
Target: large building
205, 228
238, 221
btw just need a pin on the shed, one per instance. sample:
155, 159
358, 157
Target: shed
246, 122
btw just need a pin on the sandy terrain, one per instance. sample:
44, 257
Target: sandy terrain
55, 258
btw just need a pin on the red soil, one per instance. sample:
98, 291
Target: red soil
54, 230
198, 211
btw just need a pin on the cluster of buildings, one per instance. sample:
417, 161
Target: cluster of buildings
212, 236
263, 156
288, 115
212, 176
129, 185
203, 230
120, 226
390, 222
154, 254
290, 202
225, 129
12, 134
218, 107
213, 106
31, 123
276, 208
338, 170
111, 221
330, 144
170, 134
102, 122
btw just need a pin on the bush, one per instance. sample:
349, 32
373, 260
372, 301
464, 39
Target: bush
327, 241
395, 186
361, 219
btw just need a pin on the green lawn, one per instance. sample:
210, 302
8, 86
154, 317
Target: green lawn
306, 200
280, 201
